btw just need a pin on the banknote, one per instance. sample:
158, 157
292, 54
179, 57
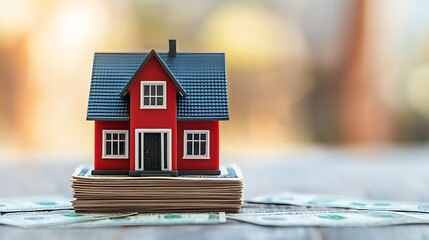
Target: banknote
337, 218
35, 203
332, 201
52, 218
155, 219
251, 208
228, 172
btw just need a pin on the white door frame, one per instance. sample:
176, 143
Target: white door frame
153, 130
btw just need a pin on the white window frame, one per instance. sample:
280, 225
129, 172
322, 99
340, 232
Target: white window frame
185, 141
123, 156
151, 83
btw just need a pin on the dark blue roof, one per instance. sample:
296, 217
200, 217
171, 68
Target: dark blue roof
202, 76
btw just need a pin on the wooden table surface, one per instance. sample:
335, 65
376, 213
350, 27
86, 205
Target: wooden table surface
394, 173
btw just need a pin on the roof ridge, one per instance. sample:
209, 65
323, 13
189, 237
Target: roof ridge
131, 52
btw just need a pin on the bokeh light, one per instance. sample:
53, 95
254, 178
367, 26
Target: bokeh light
299, 72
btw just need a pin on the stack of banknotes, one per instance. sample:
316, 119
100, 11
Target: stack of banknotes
188, 194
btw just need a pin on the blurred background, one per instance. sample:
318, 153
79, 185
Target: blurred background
300, 72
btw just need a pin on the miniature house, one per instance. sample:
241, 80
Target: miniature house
157, 114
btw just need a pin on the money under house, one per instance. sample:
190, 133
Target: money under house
157, 114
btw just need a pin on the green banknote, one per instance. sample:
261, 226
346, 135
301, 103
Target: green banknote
156, 219
228, 172
331, 201
336, 218
35, 203
52, 218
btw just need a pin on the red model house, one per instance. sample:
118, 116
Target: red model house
157, 113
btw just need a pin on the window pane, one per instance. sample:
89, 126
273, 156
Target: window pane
189, 136
108, 148
189, 148
203, 148
122, 136
115, 148
203, 136
152, 90
159, 90
152, 101
196, 148
159, 101
146, 90
121, 148
115, 136
146, 101
196, 136
108, 136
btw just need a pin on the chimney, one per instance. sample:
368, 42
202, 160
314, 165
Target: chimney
172, 48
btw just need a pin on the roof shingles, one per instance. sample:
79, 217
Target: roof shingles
202, 76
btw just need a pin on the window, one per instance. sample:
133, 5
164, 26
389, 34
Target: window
152, 94
115, 144
196, 144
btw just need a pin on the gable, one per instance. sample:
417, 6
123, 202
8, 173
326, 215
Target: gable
150, 56
201, 75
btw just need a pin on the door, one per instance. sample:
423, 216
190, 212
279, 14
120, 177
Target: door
152, 151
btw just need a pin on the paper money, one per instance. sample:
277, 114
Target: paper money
250, 208
331, 201
156, 219
345, 218
184, 194
35, 203
231, 172
53, 218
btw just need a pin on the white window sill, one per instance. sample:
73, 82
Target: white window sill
114, 157
153, 107
196, 157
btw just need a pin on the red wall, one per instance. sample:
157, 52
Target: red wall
153, 118
108, 164
199, 164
